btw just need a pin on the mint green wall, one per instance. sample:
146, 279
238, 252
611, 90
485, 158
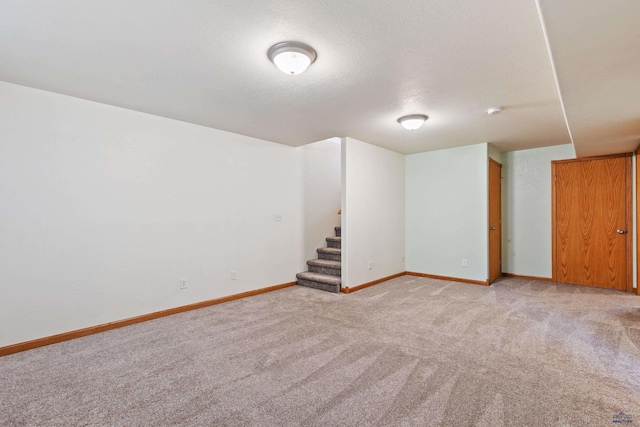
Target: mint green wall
526, 209
447, 212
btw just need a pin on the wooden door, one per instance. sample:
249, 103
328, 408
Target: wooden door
592, 220
495, 220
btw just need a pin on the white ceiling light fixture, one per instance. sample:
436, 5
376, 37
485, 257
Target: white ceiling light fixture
412, 121
292, 57
494, 110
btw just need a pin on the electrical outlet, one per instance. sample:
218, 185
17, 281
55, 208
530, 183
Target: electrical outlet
233, 274
402, 258
183, 283
278, 217
464, 262
369, 265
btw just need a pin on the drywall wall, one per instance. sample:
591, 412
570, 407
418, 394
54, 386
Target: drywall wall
373, 214
526, 209
447, 212
322, 186
494, 153
105, 209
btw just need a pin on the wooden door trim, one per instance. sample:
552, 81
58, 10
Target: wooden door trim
554, 225
588, 159
637, 224
630, 231
499, 165
628, 211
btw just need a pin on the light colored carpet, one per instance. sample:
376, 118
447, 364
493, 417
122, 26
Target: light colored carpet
411, 351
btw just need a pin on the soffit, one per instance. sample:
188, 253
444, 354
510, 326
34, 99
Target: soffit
205, 62
596, 51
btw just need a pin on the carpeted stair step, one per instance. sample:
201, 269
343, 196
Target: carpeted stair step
325, 266
333, 254
323, 282
325, 272
334, 242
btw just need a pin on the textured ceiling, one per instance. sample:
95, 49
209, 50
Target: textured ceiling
205, 62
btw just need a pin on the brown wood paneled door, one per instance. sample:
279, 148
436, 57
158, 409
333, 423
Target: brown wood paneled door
495, 220
592, 220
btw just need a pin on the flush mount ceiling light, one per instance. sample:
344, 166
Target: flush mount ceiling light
292, 57
412, 121
494, 110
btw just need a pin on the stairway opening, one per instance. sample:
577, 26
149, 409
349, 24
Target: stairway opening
325, 272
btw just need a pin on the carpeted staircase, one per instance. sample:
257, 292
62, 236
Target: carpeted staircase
324, 272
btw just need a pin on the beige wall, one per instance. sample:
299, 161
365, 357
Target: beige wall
105, 209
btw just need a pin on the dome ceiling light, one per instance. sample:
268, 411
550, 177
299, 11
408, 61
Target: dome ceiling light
412, 121
494, 110
292, 57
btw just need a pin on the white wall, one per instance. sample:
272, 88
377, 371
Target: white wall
494, 153
104, 209
447, 212
322, 189
526, 208
373, 214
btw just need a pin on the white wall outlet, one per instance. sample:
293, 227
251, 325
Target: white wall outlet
233, 274
369, 265
464, 262
402, 258
183, 283
278, 217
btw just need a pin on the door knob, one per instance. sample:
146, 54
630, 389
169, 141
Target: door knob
493, 228
621, 231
